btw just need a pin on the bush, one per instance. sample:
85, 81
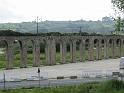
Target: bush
60, 77
73, 77
112, 86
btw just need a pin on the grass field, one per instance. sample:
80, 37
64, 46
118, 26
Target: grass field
112, 86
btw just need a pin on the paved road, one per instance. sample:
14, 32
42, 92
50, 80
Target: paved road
72, 69
79, 69
49, 83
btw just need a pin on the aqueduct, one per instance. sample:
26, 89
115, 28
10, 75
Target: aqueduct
101, 44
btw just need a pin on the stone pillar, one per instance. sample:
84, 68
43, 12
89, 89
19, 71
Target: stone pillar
106, 46
73, 51
71, 45
23, 51
100, 50
63, 52
84, 54
50, 51
91, 50
53, 52
97, 51
47, 52
114, 48
9, 55
36, 53
82, 51
121, 48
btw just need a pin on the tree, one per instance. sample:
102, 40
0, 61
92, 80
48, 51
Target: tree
118, 4
119, 7
119, 26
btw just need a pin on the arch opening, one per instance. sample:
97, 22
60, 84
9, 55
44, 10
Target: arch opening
17, 48
30, 44
96, 49
68, 55
42, 53
58, 56
102, 48
3, 53
87, 46
118, 48
110, 46
78, 55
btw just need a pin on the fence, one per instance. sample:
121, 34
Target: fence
33, 80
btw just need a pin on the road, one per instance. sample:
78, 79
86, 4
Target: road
49, 83
72, 69
79, 69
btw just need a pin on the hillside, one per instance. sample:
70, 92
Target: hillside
103, 27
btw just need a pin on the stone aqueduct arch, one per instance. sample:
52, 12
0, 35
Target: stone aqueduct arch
91, 42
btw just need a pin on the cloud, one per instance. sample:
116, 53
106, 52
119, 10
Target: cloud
6, 12
27, 10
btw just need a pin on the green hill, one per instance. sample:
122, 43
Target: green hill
103, 27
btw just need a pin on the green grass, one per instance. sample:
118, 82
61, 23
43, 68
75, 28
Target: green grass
84, 88
2, 60
112, 86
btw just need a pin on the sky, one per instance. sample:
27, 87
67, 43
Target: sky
28, 10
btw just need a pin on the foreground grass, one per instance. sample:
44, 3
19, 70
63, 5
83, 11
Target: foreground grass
85, 88
112, 86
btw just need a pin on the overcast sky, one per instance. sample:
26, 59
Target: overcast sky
27, 10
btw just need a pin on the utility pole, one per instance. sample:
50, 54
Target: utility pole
4, 80
37, 25
37, 22
80, 30
39, 75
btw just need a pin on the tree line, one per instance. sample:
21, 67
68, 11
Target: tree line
14, 33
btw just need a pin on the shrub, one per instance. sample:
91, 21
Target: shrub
60, 77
